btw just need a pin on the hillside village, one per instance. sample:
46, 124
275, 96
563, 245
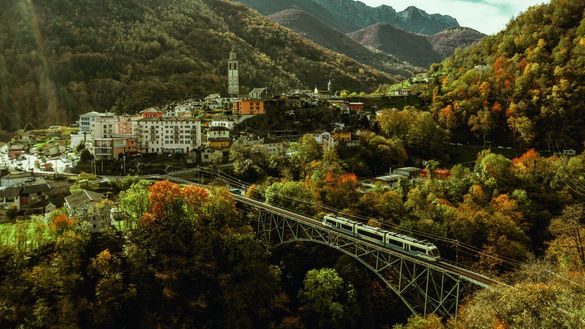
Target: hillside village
179, 135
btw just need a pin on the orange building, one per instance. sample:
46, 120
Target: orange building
249, 107
151, 113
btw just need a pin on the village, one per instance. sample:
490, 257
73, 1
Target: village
50, 168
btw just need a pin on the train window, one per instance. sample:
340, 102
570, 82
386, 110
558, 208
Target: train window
347, 227
417, 249
329, 221
379, 237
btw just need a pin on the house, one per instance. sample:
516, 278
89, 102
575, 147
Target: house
408, 172
208, 153
275, 148
88, 208
222, 122
356, 106
258, 93
390, 180
16, 150
24, 192
213, 101
323, 137
151, 113
218, 138
249, 107
341, 135
403, 92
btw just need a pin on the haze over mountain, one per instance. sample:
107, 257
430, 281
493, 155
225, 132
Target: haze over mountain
386, 34
326, 36
445, 42
62, 58
410, 47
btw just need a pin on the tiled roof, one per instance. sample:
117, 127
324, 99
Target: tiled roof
82, 197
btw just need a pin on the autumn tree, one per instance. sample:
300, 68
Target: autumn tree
326, 300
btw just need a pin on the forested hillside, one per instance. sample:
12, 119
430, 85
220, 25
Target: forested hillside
60, 58
523, 85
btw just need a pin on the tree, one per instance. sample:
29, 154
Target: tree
326, 300
291, 195
85, 155
420, 322
134, 202
304, 152
481, 123
568, 247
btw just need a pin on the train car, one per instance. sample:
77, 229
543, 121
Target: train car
373, 234
418, 248
340, 223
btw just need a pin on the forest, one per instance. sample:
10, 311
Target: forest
523, 86
61, 58
186, 257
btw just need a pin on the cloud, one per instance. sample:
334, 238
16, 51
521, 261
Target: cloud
487, 16
503, 7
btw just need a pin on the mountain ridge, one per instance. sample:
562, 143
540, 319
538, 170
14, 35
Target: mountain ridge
409, 47
326, 36
62, 58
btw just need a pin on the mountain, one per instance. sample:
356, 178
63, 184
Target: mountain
409, 47
382, 32
522, 86
65, 57
411, 19
270, 7
445, 42
328, 37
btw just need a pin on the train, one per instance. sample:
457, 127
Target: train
418, 248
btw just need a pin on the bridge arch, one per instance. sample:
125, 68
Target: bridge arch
423, 286
353, 256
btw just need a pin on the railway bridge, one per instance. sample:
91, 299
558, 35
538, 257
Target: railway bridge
424, 286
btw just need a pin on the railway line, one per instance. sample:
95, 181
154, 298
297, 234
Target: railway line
441, 265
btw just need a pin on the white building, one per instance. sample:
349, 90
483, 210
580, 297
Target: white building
168, 134
223, 122
87, 119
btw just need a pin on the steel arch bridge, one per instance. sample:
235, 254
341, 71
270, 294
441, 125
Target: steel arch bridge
424, 286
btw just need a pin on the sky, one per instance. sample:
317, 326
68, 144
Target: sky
487, 16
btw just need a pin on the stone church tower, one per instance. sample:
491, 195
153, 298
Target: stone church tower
233, 77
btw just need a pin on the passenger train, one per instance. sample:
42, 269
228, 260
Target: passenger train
423, 249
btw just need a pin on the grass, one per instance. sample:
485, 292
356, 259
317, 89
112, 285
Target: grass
26, 234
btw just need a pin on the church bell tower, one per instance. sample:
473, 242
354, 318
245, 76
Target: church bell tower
233, 77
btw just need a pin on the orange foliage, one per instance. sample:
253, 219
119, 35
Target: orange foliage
194, 196
329, 177
484, 88
161, 195
504, 204
529, 155
348, 178
445, 111
497, 107
62, 222
500, 325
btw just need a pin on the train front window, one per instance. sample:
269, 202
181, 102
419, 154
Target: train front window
417, 249
434, 252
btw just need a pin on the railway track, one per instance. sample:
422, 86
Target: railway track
443, 265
